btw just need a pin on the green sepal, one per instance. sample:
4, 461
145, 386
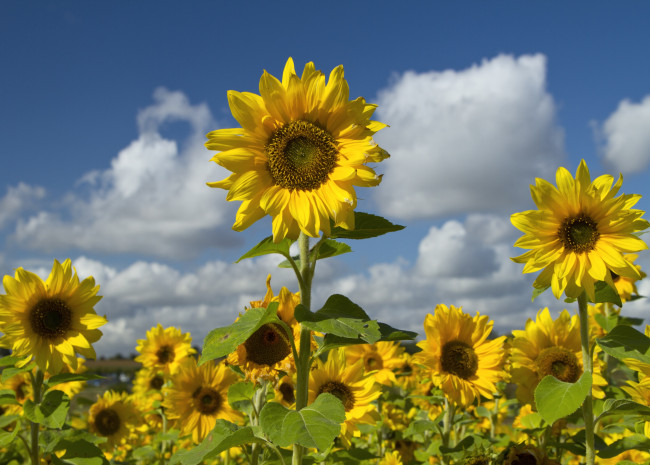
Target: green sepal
223, 436
636, 441
366, 225
69, 377
537, 291
13, 371
52, 410
267, 246
626, 342
327, 248
79, 452
315, 426
222, 341
623, 407
557, 399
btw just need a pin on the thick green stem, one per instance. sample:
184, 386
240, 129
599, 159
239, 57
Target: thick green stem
587, 363
163, 444
447, 423
37, 385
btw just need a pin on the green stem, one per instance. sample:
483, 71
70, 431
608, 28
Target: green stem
37, 384
163, 444
587, 363
447, 423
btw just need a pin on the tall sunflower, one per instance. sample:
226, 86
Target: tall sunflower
302, 148
164, 349
459, 356
198, 397
548, 347
384, 358
351, 385
579, 232
50, 320
113, 416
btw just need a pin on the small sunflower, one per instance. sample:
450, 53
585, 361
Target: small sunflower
22, 386
625, 285
113, 416
198, 397
148, 383
579, 233
461, 359
302, 148
549, 347
164, 349
285, 391
517, 454
351, 385
382, 358
391, 458
51, 321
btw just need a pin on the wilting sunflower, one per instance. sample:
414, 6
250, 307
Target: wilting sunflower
302, 148
164, 349
461, 359
198, 397
383, 358
351, 385
51, 321
113, 416
579, 233
549, 347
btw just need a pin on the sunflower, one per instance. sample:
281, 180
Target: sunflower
351, 385
643, 369
549, 347
22, 386
625, 285
302, 148
164, 349
51, 321
285, 391
640, 393
460, 358
198, 397
517, 454
113, 416
391, 458
148, 383
382, 358
579, 233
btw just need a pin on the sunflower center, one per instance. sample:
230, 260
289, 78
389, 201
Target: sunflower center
268, 345
459, 358
207, 400
558, 362
341, 391
287, 392
524, 458
165, 354
156, 383
579, 234
615, 277
107, 422
301, 156
50, 318
373, 362
20, 392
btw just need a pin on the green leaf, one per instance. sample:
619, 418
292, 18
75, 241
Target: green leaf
7, 438
537, 292
69, 377
604, 293
315, 426
9, 360
420, 427
341, 317
388, 333
606, 322
79, 452
7, 420
240, 396
223, 341
52, 410
8, 397
267, 246
465, 444
327, 248
556, 399
623, 407
626, 342
365, 226
636, 441
13, 371
223, 436
531, 421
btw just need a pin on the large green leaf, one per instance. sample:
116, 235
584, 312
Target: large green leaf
223, 341
8, 397
52, 410
13, 371
604, 293
623, 407
327, 248
637, 441
9, 360
365, 226
387, 332
7, 438
240, 396
315, 426
79, 452
267, 246
556, 399
626, 342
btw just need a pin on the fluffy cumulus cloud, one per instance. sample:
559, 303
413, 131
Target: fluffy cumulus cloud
17, 200
467, 141
153, 198
626, 137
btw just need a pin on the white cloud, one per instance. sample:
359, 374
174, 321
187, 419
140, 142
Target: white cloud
152, 200
627, 138
18, 199
467, 141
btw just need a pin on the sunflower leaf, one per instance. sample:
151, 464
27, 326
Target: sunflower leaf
267, 246
222, 341
240, 396
7, 438
8, 397
556, 399
365, 226
13, 371
316, 425
9, 360
604, 293
537, 292
52, 410
328, 248
626, 342
69, 377
637, 441
623, 407
79, 452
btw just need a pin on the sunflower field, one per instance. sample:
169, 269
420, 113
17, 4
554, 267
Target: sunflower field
286, 383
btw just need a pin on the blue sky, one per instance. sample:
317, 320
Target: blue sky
104, 106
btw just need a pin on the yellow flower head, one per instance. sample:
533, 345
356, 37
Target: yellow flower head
51, 321
625, 285
461, 359
164, 349
113, 416
381, 358
579, 233
285, 391
391, 458
302, 148
198, 397
549, 347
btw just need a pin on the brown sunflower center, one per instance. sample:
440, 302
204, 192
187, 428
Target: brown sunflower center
341, 391
524, 458
156, 382
268, 345
459, 358
50, 318
165, 354
558, 362
373, 362
107, 422
478, 460
287, 392
579, 233
615, 277
207, 400
301, 155
20, 391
